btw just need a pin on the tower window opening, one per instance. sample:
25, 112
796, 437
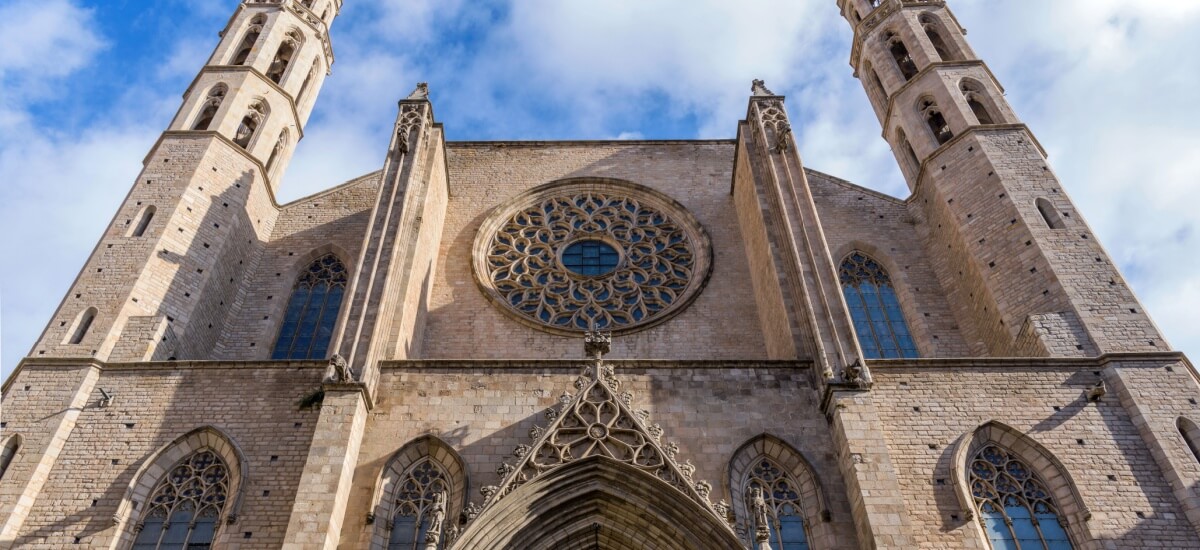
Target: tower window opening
143, 222
1050, 214
83, 324
909, 153
875, 309
900, 54
283, 57
931, 26
312, 311
1191, 435
250, 124
937, 123
278, 150
252, 34
974, 95
212, 103
307, 81
8, 452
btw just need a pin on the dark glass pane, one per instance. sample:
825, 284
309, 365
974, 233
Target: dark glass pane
1054, 534
875, 309
791, 530
404, 534
291, 320
202, 534
148, 538
997, 531
590, 258
177, 531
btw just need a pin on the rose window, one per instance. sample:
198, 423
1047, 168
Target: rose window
578, 256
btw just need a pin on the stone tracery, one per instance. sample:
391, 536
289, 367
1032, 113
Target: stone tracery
660, 262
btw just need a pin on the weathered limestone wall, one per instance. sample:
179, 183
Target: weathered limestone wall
155, 403
719, 324
928, 407
855, 218
485, 409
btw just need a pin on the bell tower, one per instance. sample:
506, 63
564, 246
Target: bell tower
168, 269
1024, 272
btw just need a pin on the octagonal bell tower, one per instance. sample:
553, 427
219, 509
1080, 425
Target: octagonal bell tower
1024, 272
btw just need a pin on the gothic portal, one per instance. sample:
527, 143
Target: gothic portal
610, 345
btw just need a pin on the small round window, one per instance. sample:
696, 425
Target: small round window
590, 258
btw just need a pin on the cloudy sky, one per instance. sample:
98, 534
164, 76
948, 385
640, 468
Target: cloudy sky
1109, 86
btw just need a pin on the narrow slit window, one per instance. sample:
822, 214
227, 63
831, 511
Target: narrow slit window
83, 324
875, 309
909, 153
8, 452
1050, 214
143, 223
1191, 436
312, 311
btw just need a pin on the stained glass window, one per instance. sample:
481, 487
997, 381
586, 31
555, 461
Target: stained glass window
186, 507
781, 495
590, 258
1017, 511
875, 310
420, 507
312, 311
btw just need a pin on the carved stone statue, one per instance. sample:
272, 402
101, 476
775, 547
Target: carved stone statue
762, 526
597, 344
760, 88
421, 92
341, 372
437, 517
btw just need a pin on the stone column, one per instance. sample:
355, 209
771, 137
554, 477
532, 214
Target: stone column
876, 499
45, 414
320, 506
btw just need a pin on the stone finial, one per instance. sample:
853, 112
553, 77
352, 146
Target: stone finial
759, 88
597, 344
420, 93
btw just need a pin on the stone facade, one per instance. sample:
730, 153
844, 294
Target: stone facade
432, 408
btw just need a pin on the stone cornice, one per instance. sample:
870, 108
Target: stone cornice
307, 17
573, 366
220, 137
891, 106
874, 19
932, 158
291, 101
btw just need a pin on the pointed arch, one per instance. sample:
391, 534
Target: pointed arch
978, 100
778, 454
280, 145
879, 321
253, 31
288, 49
1060, 489
907, 153
937, 34
312, 73
212, 103
929, 111
9, 447
427, 449
136, 501
900, 55
560, 509
312, 310
143, 221
256, 115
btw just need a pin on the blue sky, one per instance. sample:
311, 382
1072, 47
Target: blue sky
86, 86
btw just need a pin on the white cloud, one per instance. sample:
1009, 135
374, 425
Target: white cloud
1106, 85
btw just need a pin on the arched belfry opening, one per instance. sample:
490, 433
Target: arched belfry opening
597, 503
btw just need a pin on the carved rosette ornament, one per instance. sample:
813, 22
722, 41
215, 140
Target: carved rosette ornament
591, 255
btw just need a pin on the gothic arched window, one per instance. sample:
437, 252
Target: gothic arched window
8, 452
936, 121
283, 57
243, 51
907, 150
312, 310
420, 507
250, 123
82, 325
280, 145
933, 30
973, 92
900, 54
773, 501
185, 509
1016, 509
211, 103
1049, 214
882, 331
